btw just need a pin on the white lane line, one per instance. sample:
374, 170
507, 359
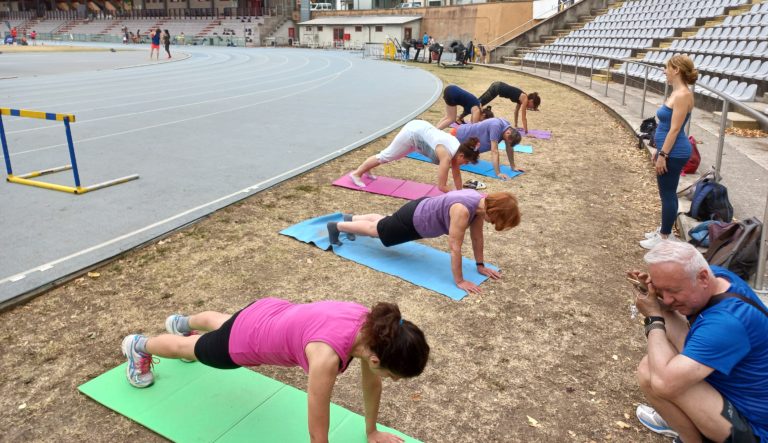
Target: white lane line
188, 81
197, 117
148, 111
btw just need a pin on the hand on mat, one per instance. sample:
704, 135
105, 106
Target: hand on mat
488, 272
383, 437
468, 286
502, 176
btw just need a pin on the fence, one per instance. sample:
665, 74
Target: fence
588, 63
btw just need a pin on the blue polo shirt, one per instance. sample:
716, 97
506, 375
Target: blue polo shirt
491, 129
732, 338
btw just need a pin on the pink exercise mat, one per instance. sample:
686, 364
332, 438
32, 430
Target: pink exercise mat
393, 187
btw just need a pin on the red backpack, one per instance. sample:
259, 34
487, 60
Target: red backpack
695, 160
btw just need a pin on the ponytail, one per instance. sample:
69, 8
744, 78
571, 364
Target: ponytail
470, 149
399, 344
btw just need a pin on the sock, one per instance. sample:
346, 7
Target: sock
356, 180
371, 176
141, 344
182, 323
333, 233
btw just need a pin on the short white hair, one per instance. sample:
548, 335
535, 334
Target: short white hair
684, 254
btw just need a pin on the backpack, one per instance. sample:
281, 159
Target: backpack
710, 202
700, 234
647, 132
735, 246
695, 160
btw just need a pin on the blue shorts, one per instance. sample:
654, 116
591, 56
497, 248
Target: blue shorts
455, 96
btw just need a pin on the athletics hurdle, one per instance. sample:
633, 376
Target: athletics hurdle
25, 179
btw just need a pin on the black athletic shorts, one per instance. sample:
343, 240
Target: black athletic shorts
741, 431
398, 228
212, 348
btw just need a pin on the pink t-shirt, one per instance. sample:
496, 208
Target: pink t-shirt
275, 332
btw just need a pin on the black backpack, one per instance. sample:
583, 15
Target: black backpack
647, 132
710, 202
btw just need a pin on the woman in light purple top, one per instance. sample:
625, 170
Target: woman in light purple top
322, 338
491, 132
449, 214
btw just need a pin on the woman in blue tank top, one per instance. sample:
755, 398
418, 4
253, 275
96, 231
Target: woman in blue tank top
673, 147
155, 44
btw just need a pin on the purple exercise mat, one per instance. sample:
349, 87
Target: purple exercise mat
393, 187
537, 133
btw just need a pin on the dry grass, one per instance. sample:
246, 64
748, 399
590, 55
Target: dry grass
552, 340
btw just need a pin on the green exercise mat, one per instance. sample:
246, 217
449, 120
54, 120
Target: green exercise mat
191, 402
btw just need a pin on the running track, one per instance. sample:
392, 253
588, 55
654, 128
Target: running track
202, 133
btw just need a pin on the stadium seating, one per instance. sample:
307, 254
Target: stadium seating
732, 55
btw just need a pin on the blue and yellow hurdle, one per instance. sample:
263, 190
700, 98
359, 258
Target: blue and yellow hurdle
25, 179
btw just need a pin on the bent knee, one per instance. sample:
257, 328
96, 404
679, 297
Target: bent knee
644, 375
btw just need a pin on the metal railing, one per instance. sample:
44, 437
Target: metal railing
728, 101
211, 40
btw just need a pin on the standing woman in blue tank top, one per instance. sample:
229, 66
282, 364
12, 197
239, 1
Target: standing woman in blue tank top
155, 44
673, 147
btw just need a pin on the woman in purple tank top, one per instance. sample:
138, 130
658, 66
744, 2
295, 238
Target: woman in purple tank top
321, 337
450, 214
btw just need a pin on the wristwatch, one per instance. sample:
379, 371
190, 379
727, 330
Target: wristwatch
651, 319
653, 326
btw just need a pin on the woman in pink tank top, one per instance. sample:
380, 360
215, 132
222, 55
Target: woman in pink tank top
322, 338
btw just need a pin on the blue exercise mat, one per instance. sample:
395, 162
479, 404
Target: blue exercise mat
525, 149
483, 167
413, 262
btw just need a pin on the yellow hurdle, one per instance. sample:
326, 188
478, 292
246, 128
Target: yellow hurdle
25, 179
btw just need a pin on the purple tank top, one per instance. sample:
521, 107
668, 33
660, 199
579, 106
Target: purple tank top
275, 332
432, 216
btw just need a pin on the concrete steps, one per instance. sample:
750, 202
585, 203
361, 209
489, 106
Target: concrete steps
736, 120
758, 106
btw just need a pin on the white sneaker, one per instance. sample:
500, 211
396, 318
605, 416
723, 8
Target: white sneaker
652, 233
651, 242
653, 421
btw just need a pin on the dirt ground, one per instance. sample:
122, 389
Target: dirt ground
553, 340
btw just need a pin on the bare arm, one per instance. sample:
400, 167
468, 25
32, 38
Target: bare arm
456, 172
524, 105
671, 372
371, 396
459, 216
476, 235
495, 160
323, 367
517, 114
443, 166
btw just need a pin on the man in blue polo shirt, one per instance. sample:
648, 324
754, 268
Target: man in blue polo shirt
491, 132
706, 371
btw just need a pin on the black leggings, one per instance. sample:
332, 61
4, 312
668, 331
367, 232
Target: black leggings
490, 94
168, 49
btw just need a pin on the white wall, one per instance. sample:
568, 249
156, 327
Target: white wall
368, 33
544, 8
